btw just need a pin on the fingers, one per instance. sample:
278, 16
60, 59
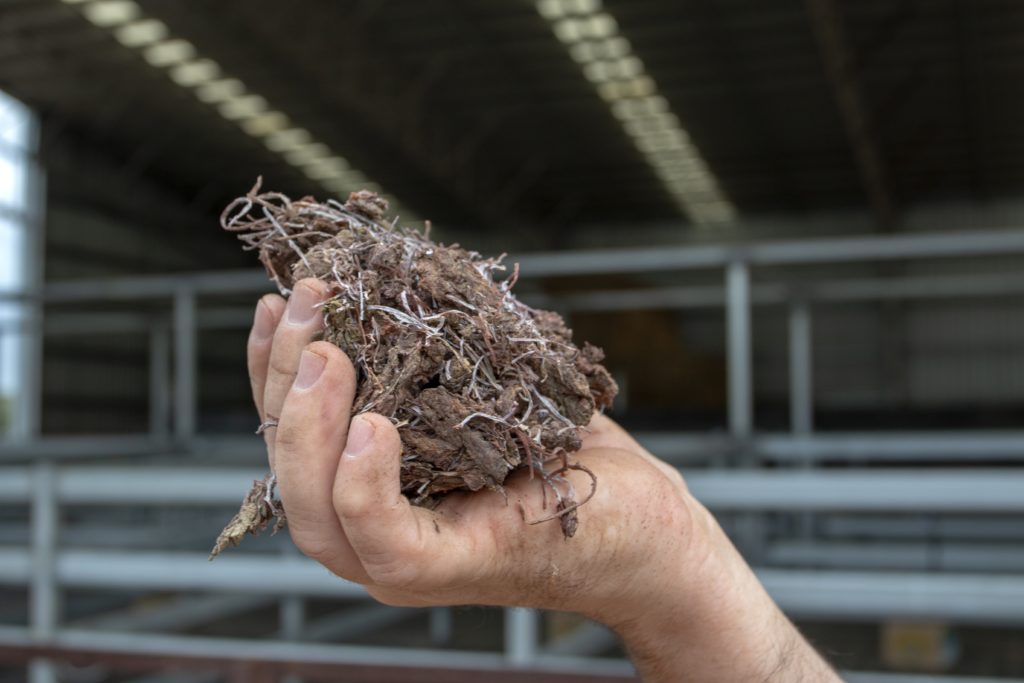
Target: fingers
299, 325
310, 437
268, 314
399, 545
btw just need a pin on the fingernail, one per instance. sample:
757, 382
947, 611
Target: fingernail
360, 436
310, 366
302, 305
262, 323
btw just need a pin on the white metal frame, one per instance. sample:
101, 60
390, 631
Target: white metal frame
47, 485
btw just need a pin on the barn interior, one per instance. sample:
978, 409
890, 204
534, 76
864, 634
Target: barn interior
794, 226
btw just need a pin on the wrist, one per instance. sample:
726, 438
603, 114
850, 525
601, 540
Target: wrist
666, 562
704, 614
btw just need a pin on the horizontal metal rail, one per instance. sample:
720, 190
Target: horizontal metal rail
871, 595
766, 293
909, 490
602, 301
139, 652
830, 250
580, 262
890, 677
939, 490
309, 659
678, 447
974, 598
913, 555
245, 573
933, 446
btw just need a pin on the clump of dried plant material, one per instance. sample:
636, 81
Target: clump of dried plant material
477, 383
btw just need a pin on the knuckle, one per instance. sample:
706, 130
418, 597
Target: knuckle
289, 437
313, 547
281, 366
391, 572
350, 506
676, 478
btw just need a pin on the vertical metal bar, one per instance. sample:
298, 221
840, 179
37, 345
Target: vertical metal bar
801, 364
741, 399
26, 415
521, 630
801, 391
44, 605
6, 402
293, 622
440, 626
748, 528
159, 381
185, 364
293, 617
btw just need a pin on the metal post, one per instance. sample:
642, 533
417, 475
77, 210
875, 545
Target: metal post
6, 402
521, 630
801, 392
292, 614
159, 381
185, 364
293, 623
44, 602
440, 626
293, 617
801, 378
741, 400
748, 529
26, 414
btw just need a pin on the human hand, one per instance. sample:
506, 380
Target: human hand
646, 556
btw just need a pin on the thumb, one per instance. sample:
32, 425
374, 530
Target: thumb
378, 520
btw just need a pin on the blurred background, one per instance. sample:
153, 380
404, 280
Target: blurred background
795, 226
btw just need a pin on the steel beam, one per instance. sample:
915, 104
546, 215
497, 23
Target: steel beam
739, 350
84, 446
159, 382
157, 286
978, 598
186, 373
963, 598
903, 490
441, 626
890, 677
597, 261
588, 639
522, 628
26, 412
840, 67
485, 665
974, 528
936, 446
782, 252
910, 490
44, 607
801, 375
928, 555
239, 573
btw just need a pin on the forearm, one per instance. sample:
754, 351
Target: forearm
728, 629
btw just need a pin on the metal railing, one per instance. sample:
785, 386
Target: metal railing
48, 483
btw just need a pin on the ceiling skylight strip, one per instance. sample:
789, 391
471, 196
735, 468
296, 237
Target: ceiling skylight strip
592, 38
229, 96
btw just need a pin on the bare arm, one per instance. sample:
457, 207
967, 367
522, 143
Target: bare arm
647, 558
